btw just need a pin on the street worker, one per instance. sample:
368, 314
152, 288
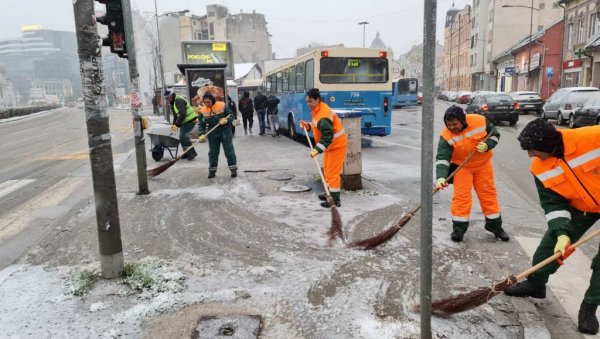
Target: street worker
330, 139
464, 135
215, 113
566, 169
247, 109
184, 118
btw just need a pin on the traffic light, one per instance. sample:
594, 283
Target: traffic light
113, 19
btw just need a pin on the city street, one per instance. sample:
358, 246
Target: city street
244, 246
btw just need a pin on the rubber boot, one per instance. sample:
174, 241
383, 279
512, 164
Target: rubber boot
336, 200
588, 323
459, 228
495, 226
234, 172
322, 197
527, 288
212, 174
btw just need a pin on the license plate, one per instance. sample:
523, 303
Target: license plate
529, 106
501, 107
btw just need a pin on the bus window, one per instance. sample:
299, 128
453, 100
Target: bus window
292, 78
269, 84
336, 70
285, 83
309, 75
279, 76
300, 77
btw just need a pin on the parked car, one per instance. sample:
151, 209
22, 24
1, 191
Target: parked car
451, 96
587, 114
496, 107
563, 102
528, 101
463, 97
419, 98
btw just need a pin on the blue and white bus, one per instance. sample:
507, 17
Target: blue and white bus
405, 92
349, 79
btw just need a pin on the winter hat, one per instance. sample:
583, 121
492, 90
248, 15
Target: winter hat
168, 92
455, 112
541, 136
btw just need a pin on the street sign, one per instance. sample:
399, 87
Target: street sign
510, 70
549, 72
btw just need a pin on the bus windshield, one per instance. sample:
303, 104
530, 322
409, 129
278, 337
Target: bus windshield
344, 70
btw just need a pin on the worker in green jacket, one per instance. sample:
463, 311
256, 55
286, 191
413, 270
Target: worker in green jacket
184, 119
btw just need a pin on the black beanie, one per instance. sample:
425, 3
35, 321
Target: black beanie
541, 136
455, 112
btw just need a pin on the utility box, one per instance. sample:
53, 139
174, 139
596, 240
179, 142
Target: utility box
352, 171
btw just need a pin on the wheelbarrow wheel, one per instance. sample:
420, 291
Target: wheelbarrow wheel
157, 152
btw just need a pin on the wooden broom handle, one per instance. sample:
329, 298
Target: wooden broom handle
206, 134
317, 163
557, 255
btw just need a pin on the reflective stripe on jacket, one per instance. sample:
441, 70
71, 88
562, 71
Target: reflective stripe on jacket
464, 143
577, 176
339, 136
189, 110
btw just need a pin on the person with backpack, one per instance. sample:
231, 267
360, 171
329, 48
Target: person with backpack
247, 109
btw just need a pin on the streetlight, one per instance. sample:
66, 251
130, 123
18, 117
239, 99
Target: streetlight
160, 63
363, 23
531, 8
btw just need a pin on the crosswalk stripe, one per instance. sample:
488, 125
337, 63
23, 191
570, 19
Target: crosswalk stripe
571, 280
10, 186
16, 221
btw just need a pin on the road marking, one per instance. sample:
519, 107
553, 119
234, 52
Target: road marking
407, 129
23, 215
570, 282
12, 185
392, 143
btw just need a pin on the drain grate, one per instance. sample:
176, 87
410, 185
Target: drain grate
228, 326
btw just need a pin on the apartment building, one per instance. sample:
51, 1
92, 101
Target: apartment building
457, 50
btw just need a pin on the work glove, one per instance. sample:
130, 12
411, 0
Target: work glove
202, 138
482, 147
174, 128
441, 183
563, 245
223, 121
305, 125
314, 152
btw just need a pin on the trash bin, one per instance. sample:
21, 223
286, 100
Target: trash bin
352, 171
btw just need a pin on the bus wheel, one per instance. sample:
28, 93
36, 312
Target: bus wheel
292, 127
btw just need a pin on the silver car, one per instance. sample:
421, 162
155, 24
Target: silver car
563, 102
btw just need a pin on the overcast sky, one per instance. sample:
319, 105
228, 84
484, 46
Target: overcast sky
292, 24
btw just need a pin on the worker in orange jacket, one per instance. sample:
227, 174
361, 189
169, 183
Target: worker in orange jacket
331, 140
463, 135
566, 169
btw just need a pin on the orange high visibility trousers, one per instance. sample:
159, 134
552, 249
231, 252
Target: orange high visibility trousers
482, 179
333, 163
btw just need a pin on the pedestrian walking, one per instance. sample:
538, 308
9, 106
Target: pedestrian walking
331, 140
233, 108
214, 113
566, 170
462, 136
247, 109
272, 114
184, 119
260, 105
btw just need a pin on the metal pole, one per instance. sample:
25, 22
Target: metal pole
528, 82
363, 23
427, 164
99, 141
140, 148
160, 64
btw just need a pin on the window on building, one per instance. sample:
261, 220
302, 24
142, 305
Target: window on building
580, 31
592, 25
555, 4
540, 27
570, 36
542, 5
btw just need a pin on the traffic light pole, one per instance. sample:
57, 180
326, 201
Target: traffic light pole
140, 148
99, 141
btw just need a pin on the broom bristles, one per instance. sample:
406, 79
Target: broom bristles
158, 170
383, 237
335, 230
467, 301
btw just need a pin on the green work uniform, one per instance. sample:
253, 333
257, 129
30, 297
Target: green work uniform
221, 135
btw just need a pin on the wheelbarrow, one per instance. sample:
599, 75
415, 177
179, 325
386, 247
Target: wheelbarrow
160, 143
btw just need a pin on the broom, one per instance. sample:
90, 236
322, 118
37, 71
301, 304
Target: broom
480, 296
335, 230
158, 170
383, 237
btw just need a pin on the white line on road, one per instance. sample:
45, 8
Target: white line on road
417, 130
12, 185
571, 280
21, 217
392, 143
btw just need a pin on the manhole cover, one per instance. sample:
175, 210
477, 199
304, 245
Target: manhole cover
228, 326
281, 176
295, 188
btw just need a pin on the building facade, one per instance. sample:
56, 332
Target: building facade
457, 50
